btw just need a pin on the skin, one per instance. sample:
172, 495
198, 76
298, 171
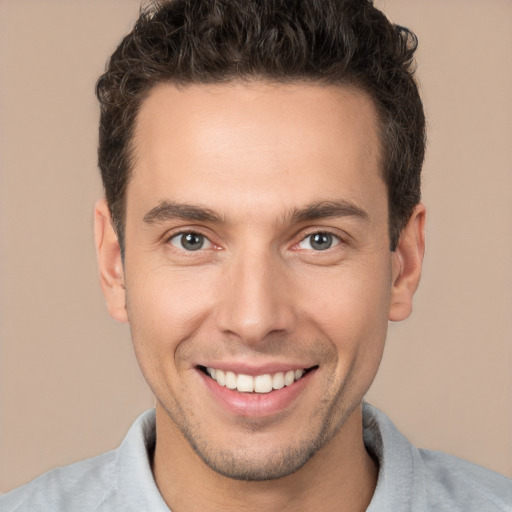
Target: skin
262, 168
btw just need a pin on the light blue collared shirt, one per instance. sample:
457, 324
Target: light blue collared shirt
409, 479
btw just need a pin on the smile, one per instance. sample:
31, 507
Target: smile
255, 384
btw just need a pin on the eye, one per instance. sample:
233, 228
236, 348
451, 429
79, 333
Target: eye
320, 241
190, 241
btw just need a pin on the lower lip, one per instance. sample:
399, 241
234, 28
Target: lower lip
256, 404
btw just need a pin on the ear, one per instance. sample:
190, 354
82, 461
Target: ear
407, 263
110, 262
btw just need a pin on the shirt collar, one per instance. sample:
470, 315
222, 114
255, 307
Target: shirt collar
136, 487
397, 484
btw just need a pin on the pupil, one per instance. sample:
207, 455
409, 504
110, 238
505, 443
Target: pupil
321, 241
192, 241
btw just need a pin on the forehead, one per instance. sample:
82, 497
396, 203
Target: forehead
232, 142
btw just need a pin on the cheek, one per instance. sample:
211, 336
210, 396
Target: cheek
349, 299
165, 308
350, 308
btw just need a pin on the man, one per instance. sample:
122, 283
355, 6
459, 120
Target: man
262, 223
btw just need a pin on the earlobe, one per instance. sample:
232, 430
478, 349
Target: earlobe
110, 262
407, 264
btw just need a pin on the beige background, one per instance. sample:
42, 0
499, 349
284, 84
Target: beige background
69, 384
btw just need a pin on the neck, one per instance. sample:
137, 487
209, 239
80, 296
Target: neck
340, 477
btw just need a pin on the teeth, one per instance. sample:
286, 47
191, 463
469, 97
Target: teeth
259, 384
263, 383
289, 378
220, 377
244, 383
231, 380
278, 380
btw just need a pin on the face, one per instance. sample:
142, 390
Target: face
257, 277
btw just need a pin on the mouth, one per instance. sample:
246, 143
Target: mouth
261, 384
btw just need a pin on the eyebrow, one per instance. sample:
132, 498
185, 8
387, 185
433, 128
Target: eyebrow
168, 210
326, 209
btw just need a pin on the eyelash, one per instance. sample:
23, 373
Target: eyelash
336, 240
181, 234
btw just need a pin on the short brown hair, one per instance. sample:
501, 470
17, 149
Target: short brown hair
344, 42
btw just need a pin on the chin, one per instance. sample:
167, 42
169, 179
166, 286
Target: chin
240, 465
247, 461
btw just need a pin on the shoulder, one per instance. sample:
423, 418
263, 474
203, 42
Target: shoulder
451, 481
80, 486
117, 480
425, 480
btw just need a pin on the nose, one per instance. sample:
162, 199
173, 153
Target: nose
256, 301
